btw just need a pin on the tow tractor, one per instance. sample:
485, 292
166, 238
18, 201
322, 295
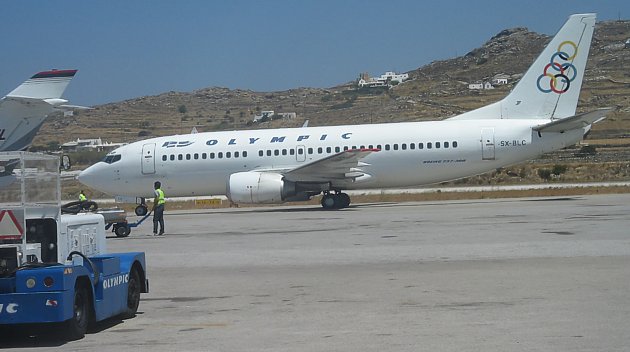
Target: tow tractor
115, 218
55, 268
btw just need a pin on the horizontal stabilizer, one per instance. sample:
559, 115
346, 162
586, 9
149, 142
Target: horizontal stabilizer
74, 107
574, 122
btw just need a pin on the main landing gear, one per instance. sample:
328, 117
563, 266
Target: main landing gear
337, 200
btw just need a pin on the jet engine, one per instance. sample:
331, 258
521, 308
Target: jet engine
260, 187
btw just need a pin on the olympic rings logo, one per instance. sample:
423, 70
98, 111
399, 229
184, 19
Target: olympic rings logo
559, 72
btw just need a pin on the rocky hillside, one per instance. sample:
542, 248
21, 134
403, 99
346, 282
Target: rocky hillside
437, 90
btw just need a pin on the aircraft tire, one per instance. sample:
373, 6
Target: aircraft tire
141, 210
344, 200
329, 201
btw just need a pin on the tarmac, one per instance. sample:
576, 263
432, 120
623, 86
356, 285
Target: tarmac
528, 274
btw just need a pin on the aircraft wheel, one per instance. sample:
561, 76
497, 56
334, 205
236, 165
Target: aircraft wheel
344, 200
141, 210
329, 201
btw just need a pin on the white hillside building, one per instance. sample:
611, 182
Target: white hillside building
385, 80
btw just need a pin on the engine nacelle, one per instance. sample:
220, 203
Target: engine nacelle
259, 187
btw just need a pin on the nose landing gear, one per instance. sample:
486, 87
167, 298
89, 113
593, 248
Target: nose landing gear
142, 209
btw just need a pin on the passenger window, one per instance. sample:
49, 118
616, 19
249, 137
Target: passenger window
328, 150
236, 154
412, 146
320, 150
310, 150
437, 144
172, 157
204, 156
337, 149
211, 155
261, 153
196, 156
345, 147
387, 147
220, 155
429, 145
245, 154
445, 144
164, 158
180, 157
291, 151
276, 152
379, 147
420, 146
454, 144
284, 152
228, 154
300, 151
269, 152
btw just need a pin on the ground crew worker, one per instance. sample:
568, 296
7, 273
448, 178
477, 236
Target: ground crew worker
82, 197
158, 209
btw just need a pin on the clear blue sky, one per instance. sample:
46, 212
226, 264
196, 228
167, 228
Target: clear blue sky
125, 49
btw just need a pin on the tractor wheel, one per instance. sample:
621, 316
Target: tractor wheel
133, 294
77, 326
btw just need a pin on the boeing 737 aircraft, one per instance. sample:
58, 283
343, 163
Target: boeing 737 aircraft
291, 164
23, 111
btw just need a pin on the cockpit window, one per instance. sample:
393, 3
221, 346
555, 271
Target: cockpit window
110, 159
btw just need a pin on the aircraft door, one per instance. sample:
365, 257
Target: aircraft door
300, 153
148, 158
487, 144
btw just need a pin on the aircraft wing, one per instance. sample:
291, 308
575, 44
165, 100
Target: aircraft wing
574, 122
337, 167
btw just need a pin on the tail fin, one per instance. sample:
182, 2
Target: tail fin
44, 85
551, 87
23, 111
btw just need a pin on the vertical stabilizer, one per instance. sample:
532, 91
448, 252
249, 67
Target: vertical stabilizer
551, 86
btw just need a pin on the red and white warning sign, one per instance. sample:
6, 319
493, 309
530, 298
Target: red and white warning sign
11, 224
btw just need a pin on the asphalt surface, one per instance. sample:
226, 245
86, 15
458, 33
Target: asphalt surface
533, 274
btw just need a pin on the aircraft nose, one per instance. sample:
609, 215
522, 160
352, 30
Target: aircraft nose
90, 177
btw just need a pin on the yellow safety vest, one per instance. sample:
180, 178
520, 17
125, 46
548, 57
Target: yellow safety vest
160, 196
82, 197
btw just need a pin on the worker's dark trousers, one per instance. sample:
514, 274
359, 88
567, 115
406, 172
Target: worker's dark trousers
158, 217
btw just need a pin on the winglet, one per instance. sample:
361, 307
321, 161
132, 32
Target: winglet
44, 85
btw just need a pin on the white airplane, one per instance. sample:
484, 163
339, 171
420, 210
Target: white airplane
292, 164
23, 111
